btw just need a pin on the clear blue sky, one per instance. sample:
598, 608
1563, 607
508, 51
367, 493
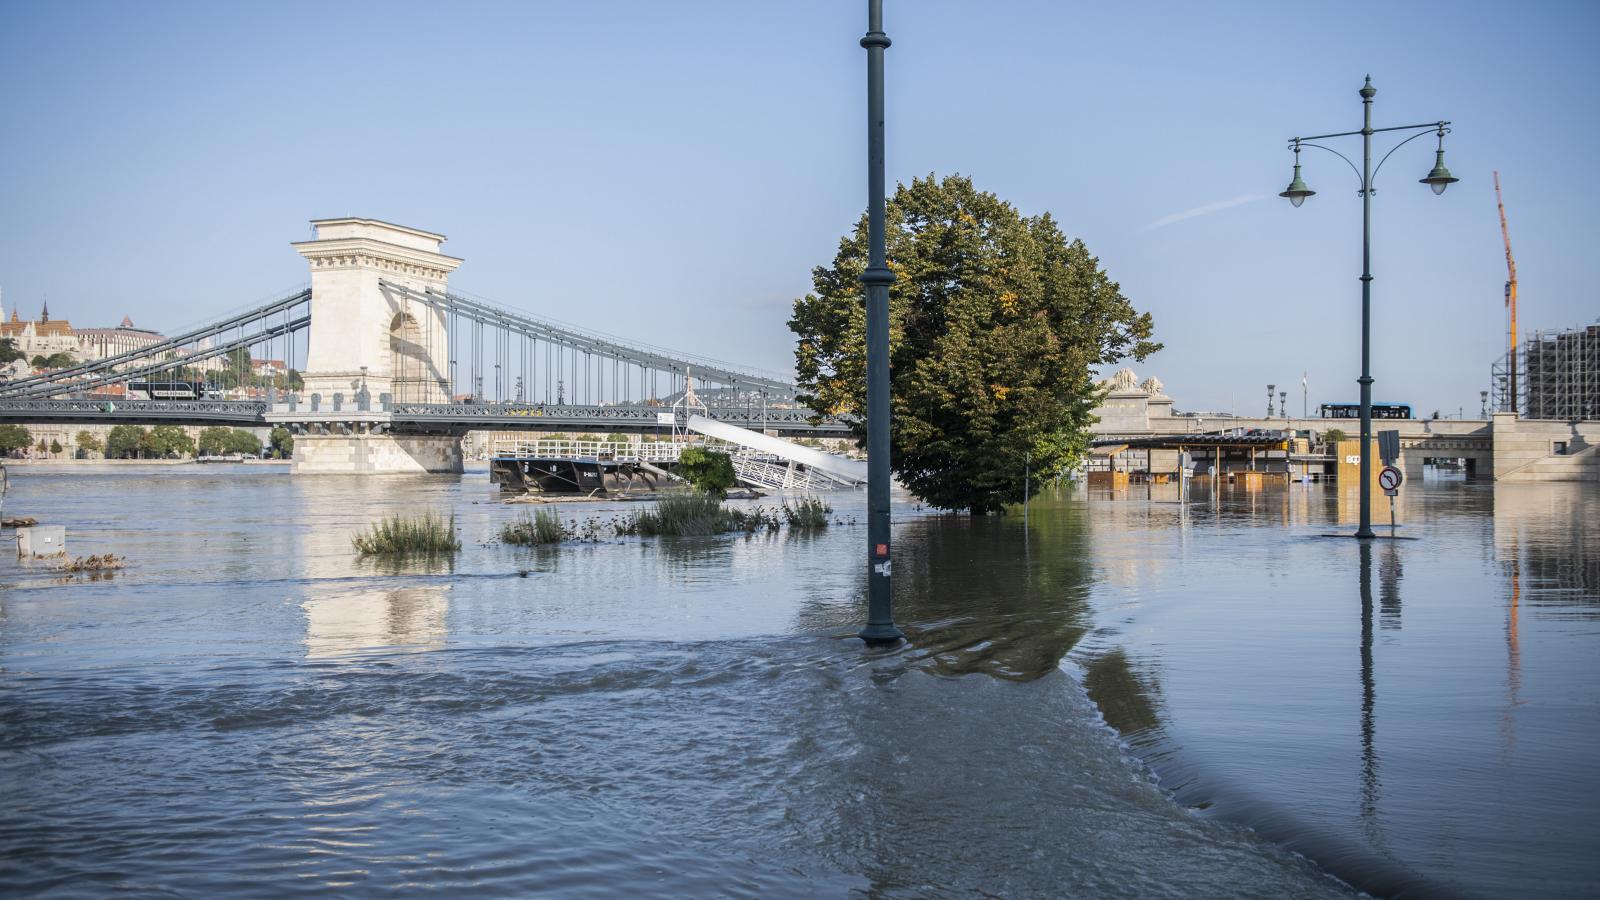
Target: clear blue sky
672, 171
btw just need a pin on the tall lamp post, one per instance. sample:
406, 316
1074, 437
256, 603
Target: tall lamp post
1297, 192
880, 630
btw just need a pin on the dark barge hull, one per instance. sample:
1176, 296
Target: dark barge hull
573, 476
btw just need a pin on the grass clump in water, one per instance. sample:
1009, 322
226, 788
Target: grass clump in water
697, 513
428, 533
543, 527
808, 514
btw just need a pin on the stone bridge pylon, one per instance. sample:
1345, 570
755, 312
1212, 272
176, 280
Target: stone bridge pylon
367, 342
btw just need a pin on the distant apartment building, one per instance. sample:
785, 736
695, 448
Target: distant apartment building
100, 343
268, 368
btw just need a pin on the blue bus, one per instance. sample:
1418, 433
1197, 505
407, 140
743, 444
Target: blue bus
1353, 410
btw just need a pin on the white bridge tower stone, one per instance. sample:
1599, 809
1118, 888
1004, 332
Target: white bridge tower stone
367, 338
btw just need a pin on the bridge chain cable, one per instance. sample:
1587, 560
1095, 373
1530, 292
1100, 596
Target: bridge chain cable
170, 345
566, 339
105, 377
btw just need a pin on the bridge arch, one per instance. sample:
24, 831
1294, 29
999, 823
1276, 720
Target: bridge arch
415, 375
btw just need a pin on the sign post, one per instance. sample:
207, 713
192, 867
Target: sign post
1389, 479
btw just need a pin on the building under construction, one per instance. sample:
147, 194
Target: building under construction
1557, 376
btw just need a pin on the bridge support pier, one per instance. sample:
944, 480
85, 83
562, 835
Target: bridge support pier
376, 454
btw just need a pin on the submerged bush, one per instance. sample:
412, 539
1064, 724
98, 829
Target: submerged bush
396, 535
807, 514
543, 527
708, 470
696, 513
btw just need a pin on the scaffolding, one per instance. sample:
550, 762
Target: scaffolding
1559, 376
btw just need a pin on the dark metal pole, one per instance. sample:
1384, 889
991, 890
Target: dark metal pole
880, 628
1367, 93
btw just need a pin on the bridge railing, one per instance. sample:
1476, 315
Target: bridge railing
564, 448
110, 410
598, 416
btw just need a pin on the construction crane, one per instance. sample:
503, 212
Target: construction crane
1511, 295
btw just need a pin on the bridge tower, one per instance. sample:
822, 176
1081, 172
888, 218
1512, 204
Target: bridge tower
368, 342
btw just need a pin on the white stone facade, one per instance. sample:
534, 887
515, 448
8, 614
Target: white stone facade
376, 454
1128, 407
1545, 450
364, 331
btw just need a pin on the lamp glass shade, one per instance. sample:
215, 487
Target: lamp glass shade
1297, 192
1440, 178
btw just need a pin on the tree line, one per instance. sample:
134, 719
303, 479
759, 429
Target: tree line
160, 442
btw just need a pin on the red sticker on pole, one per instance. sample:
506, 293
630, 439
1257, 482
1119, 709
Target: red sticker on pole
881, 550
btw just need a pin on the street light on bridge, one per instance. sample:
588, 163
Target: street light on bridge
1296, 193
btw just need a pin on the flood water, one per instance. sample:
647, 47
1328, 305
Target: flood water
1117, 697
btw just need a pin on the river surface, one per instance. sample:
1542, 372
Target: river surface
1114, 697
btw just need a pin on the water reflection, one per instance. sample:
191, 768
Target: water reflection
377, 603
989, 595
413, 617
1389, 599
1550, 533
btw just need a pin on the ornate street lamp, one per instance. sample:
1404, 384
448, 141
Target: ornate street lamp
1297, 192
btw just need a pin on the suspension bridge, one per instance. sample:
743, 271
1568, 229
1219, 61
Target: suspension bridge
379, 367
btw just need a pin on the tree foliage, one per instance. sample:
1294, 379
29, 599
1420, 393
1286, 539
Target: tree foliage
88, 443
14, 437
9, 352
54, 361
282, 442
125, 441
169, 440
995, 322
707, 470
220, 441
55, 447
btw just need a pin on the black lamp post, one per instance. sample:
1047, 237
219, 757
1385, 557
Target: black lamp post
880, 628
1297, 192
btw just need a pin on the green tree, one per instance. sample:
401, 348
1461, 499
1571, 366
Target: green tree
1333, 435
88, 443
169, 440
282, 442
55, 447
213, 440
996, 320
125, 441
54, 361
13, 438
9, 352
242, 442
707, 470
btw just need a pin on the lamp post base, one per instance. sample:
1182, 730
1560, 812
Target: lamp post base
881, 635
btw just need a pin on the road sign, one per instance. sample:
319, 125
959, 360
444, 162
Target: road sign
1389, 479
1389, 446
